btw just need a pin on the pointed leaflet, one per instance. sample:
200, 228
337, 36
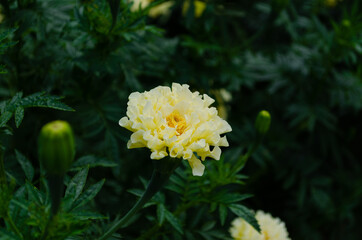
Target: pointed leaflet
246, 214
5, 117
76, 185
161, 213
223, 212
19, 115
174, 221
88, 195
25, 165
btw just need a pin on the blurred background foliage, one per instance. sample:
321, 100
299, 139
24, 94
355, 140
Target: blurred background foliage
300, 60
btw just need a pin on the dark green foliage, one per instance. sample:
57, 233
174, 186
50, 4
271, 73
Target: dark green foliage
300, 60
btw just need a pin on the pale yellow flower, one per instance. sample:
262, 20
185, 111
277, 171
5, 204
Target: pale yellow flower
2, 16
199, 6
165, 7
271, 228
160, 9
176, 122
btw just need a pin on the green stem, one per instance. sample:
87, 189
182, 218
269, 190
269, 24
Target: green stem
55, 183
155, 184
161, 173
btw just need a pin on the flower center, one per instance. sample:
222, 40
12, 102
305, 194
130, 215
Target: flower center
175, 120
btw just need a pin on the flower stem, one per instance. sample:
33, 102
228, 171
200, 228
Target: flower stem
55, 183
159, 176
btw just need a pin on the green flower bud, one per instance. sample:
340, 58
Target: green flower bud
262, 122
56, 147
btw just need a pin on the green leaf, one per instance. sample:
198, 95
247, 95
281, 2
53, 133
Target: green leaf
42, 99
175, 222
34, 194
161, 213
136, 192
177, 180
91, 161
223, 212
25, 165
5, 117
84, 215
228, 198
174, 188
19, 115
322, 200
88, 195
246, 214
76, 185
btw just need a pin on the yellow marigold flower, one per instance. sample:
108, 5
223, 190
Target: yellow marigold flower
176, 122
271, 228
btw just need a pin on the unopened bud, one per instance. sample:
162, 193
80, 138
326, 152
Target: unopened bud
262, 122
56, 147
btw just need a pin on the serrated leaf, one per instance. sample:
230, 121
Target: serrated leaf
25, 165
246, 214
88, 195
42, 99
16, 98
175, 222
76, 185
91, 161
19, 115
5, 117
161, 213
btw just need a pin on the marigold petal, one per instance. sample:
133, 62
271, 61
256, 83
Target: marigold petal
196, 165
